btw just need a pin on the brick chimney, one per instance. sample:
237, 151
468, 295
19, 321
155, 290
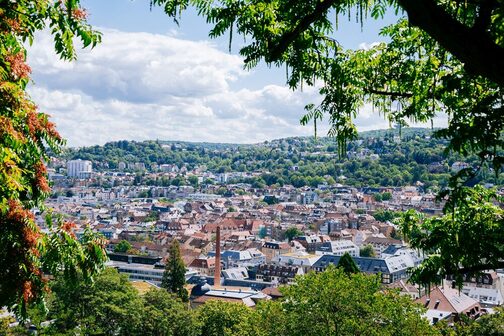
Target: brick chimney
217, 274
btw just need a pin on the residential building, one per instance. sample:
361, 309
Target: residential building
391, 269
447, 303
79, 168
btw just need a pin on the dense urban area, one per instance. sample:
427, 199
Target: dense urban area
283, 209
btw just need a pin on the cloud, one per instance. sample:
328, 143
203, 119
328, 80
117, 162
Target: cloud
141, 86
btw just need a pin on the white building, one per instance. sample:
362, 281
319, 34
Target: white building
79, 168
297, 259
338, 247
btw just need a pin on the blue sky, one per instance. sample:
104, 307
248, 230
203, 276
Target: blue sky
152, 79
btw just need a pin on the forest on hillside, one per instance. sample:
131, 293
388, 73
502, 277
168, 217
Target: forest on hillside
377, 158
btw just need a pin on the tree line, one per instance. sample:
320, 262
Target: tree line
334, 302
300, 161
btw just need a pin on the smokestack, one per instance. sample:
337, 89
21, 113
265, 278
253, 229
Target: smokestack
217, 273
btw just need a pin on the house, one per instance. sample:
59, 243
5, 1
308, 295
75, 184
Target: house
391, 269
273, 249
310, 242
338, 247
204, 265
235, 258
447, 303
235, 273
381, 243
487, 288
300, 259
273, 292
278, 275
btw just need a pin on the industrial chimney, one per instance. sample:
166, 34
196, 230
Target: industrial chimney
217, 274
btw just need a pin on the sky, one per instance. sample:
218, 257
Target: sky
151, 79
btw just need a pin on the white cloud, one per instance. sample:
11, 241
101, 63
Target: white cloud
143, 86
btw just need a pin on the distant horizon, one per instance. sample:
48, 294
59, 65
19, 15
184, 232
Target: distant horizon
250, 143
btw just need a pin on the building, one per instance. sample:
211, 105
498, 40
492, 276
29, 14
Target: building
446, 303
204, 265
298, 259
380, 244
273, 249
79, 169
278, 275
391, 269
487, 288
233, 258
201, 294
140, 272
338, 247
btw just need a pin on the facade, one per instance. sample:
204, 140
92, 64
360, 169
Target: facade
338, 247
204, 265
278, 275
139, 272
487, 288
380, 244
274, 249
391, 269
298, 259
446, 303
79, 168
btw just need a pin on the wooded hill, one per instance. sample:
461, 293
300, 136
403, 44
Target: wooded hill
377, 158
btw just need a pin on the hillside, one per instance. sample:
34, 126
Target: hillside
377, 158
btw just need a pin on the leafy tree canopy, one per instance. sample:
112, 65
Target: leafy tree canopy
123, 246
347, 264
468, 239
333, 303
292, 233
367, 251
26, 135
174, 273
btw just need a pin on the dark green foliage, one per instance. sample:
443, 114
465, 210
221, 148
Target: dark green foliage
262, 232
122, 247
223, 318
292, 233
328, 303
174, 273
386, 196
347, 264
367, 251
418, 157
385, 215
467, 239
335, 303
270, 200
165, 314
109, 306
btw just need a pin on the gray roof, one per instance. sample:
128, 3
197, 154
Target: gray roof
366, 265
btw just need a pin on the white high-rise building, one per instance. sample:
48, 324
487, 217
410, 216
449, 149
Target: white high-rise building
79, 168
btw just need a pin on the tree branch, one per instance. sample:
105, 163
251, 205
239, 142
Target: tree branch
473, 47
484, 18
388, 93
287, 38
